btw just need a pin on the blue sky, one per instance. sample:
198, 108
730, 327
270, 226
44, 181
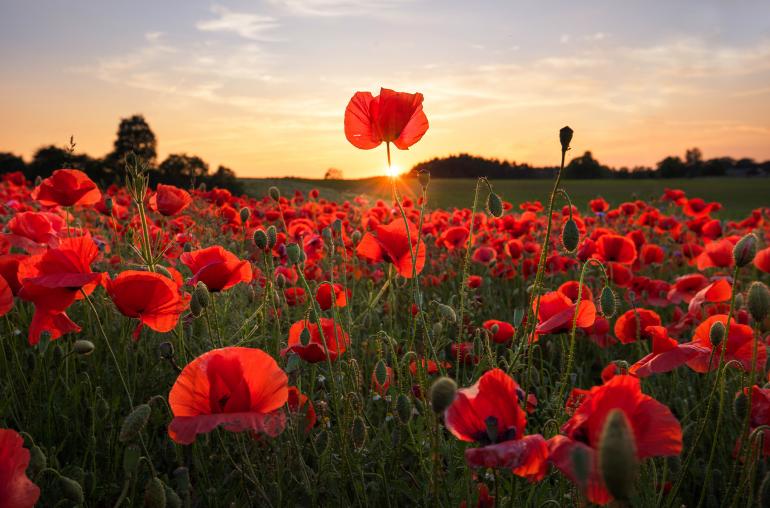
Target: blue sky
261, 86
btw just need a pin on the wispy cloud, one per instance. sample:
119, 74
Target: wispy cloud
332, 8
246, 25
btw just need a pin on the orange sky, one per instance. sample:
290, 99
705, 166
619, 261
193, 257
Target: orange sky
261, 87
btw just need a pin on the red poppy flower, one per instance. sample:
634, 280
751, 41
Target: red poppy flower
453, 238
336, 341
484, 255
41, 228
719, 291
667, 354
740, 343
557, 312
599, 205
241, 389
67, 266
169, 200
717, 254
489, 413
391, 243
656, 430
150, 297
760, 415
616, 249
502, 332
382, 389
430, 366
651, 254
762, 260
323, 296
395, 117
294, 296
216, 267
474, 281
6, 297
16, 489
632, 325
686, 287
9, 270
67, 187
299, 404
570, 290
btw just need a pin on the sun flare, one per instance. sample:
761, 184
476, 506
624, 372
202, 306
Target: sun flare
392, 171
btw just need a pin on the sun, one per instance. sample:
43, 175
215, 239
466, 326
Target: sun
393, 171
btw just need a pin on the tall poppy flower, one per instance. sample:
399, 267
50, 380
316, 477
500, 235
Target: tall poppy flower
16, 489
739, 347
632, 325
241, 389
216, 267
760, 414
501, 332
717, 254
150, 297
392, 117
616, 249
686, 287
170, 200
489, 413
557, 312
762, 260
391, 243
667, 354
67, 187
326, 300
656, 430
330, 336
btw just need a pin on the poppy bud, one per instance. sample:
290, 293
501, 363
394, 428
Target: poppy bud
201, 294
304, 337
195, 307
570, 236
437, 329
745, 250
182, 478
609, 302
275, 194
293, 252
83, 347
108, 205
280, 280
155, 493
381, 373
494, 205
358, 432
245, 214
131, 456
447, 312
166, 350
759, 301
337, 226
442, 394
260, 239
187, 247
617, 455
423, 176
403, 408
272, 237
492, 429
134, 422
717, 333
740, 405
71, 489
565, 138
738, 301
581, 465
37, 461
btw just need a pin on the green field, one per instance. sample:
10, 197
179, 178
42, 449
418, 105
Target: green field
738, 195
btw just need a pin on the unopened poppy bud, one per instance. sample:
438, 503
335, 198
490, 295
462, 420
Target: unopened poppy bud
260, 239
304, 337
280, 280
608, 301
565, 138
581, 465
155, 493
745, 250
494, 329
166, 350
201, 294
358, 432
740, 405
494, 205
337, 226
182, 480
272, 237
381, 373
492, 429
717, 333
195, 307
71, 490
134, 423
187, 247
423, 176
37, 461
617, 455
356, 237
447, 312
437, 329
83, 347
403, 408
294, 253
442, 394
275, 194
245, 214
108, 204
759, 301
570, 236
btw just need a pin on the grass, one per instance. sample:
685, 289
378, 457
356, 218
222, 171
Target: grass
739, 196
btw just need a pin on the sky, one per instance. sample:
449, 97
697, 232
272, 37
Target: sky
261, 86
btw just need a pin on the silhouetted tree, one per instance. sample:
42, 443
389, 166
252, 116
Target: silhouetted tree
333, 174
672, 167
134, 135
182, 170
585, 167
225, 178
10, 163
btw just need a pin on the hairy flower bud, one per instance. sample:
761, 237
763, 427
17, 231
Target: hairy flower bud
201, 294
740, 405
260, 239
759, 301
358, 432
274, 193
717, 333
570, 236
83, 347
745, 250
617, 455
71, 490
494, 205
245, 214
609, 302
155, 493
272, 237
166, 350
134, 423
294, 253
403, 408
565, 138
381, 373
423, 176
447, 312
442, 394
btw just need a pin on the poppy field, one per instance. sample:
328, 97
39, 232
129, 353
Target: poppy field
188, 347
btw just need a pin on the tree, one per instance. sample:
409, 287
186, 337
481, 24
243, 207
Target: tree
585, 167
134, 135
182, 170
693, 159
10, 163
672, 167
333, 174
225, 178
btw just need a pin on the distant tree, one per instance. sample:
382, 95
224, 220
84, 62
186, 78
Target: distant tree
134, 135
717, 167
10, 163
225, 178
47, 160
585, 167
693, 159
672, 167
333, 174
182, 170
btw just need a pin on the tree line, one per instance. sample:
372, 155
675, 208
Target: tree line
134, 135
587, 167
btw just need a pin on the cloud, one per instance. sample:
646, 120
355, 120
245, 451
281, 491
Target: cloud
334, 8
246, 25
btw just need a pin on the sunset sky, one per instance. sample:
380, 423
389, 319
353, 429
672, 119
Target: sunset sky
261, 86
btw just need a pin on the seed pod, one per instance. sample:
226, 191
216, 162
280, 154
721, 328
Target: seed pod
381, 372
37, 461
274, 193
201, 293
442, 394
83, 347
71, 489
717, 333
294, 253
260, 239
759, 301
358, 432
581, 464
155, 493
134, 422
745, 250
423, 176
740, 405
609, 302
570, 236
617, 456
245, 214
403, 408
272, 237
494, 205
447, 312
565, 138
